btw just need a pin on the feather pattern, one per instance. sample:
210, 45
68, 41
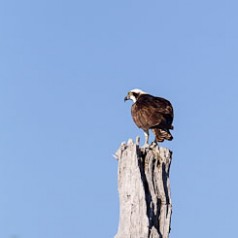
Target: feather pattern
156, 113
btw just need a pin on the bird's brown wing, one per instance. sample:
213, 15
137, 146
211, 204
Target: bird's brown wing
149, 111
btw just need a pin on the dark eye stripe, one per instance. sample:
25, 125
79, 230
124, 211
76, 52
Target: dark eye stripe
135, 94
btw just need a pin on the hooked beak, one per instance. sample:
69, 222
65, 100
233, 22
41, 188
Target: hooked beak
126, 98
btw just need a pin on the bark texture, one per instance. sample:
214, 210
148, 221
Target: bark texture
144, 191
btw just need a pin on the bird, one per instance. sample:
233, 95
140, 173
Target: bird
151, 113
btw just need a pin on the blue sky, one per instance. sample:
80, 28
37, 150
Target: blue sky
65, 67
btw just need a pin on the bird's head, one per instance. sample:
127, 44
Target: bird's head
134, 94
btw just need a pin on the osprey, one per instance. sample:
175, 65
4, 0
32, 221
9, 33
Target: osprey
150, 112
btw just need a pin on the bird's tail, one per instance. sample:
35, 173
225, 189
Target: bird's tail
162, 134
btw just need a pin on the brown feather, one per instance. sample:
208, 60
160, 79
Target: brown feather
150, 112
161, 135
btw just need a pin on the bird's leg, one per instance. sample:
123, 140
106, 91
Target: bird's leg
146, 133
155, 143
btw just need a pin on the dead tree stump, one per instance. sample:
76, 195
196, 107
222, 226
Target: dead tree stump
144, 191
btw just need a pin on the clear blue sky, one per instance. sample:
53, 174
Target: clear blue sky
65, 67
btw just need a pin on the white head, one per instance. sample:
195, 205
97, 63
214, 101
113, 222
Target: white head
134, 94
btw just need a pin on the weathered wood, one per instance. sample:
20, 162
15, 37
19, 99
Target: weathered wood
144, 191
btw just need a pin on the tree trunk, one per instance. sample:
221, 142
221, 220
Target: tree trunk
144, 191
